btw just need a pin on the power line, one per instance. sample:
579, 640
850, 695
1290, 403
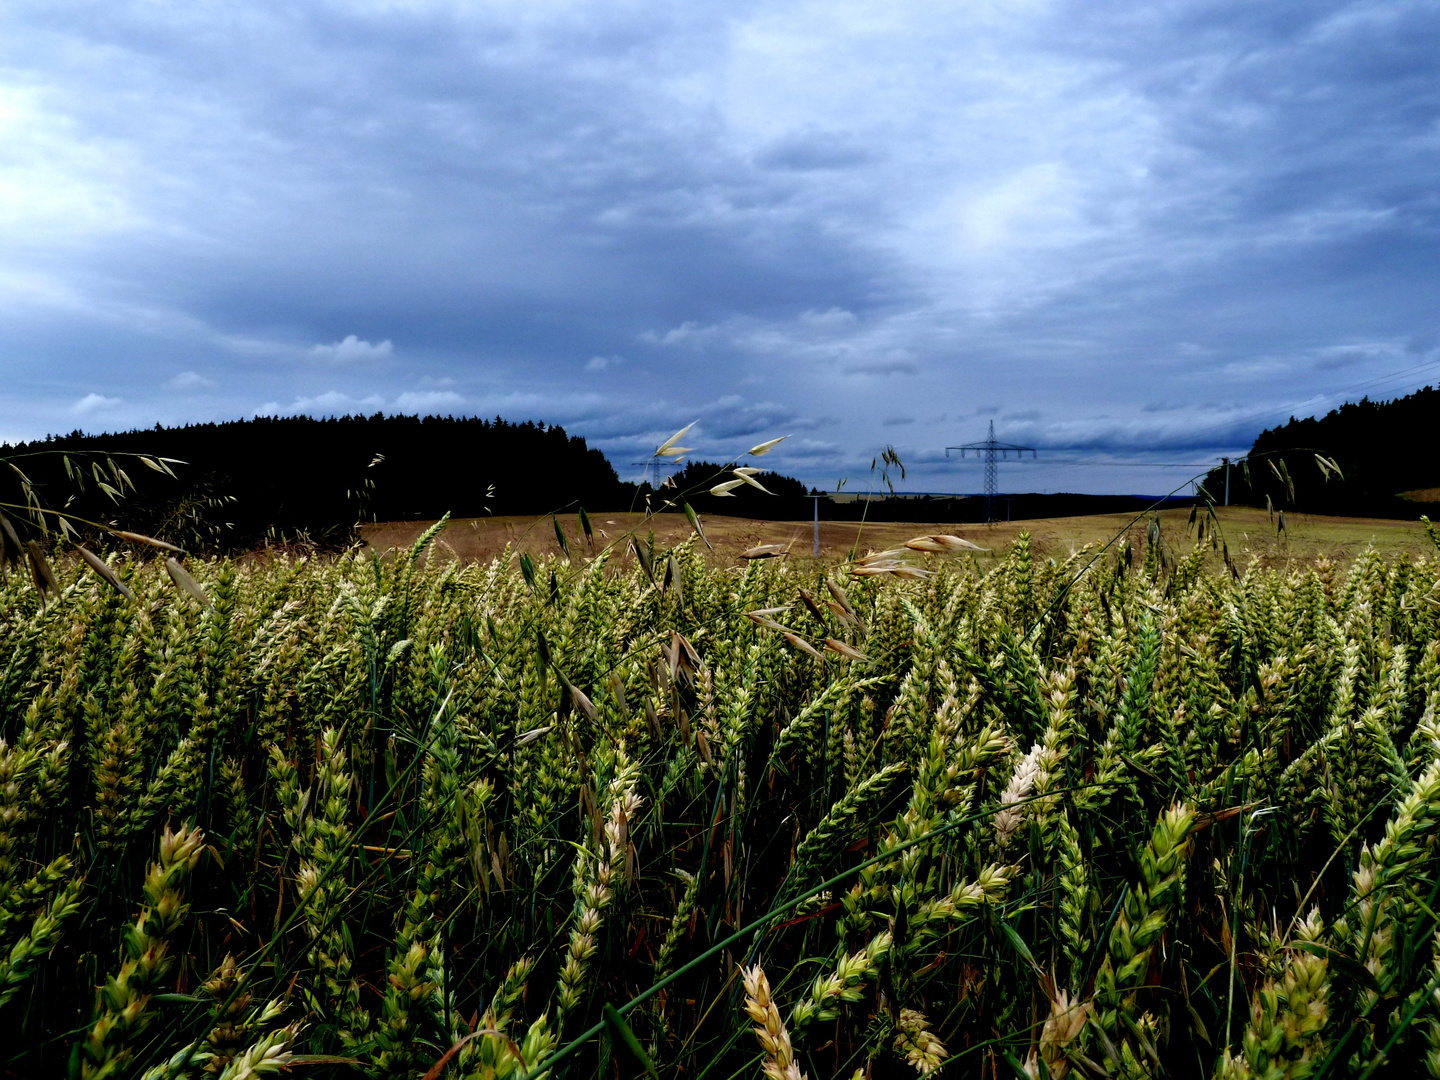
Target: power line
1129, 464
1392, 375
1241, 418
1294, 406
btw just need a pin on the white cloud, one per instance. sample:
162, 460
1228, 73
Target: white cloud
189, 380
1034, 204
600, 363
422, 400
330, 402
53, 186
353, 348
93, 402
687, 333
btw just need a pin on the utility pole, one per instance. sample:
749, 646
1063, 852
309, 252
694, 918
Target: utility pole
816, 499
1226, 460
993, 451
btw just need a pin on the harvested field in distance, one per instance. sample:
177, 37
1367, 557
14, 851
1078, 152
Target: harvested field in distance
1249, 533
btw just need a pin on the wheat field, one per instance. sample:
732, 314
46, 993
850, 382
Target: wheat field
1112, 815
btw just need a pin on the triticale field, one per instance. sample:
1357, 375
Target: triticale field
1117, 815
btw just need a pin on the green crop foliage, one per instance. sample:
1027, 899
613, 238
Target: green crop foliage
396, 817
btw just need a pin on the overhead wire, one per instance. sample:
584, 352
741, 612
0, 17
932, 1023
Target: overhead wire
1272, 410
1343, 391
1404, 374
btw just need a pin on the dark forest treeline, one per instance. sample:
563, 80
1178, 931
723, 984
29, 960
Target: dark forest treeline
1382, 448
248, 480
245, 482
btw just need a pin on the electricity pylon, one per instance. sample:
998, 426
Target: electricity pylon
993, 451
653, 465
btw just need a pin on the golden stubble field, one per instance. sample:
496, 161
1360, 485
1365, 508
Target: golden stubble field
1249, 533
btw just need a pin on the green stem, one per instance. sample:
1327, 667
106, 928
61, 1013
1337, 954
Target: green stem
755, 927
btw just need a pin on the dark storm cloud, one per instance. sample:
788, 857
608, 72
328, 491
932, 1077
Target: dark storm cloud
1117, 230
809, 150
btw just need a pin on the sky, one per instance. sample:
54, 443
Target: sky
1126, 234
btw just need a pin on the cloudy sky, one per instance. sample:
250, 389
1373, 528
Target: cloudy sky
1131, 232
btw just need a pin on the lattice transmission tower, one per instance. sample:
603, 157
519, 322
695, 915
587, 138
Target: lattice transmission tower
993, 451
652, 467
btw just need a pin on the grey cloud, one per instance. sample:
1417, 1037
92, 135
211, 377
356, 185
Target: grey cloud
834, 318
1102, 218
813, 449
731, 417
422, 401
811, 423
811, 149
351, 349
894, 362
1345, 358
